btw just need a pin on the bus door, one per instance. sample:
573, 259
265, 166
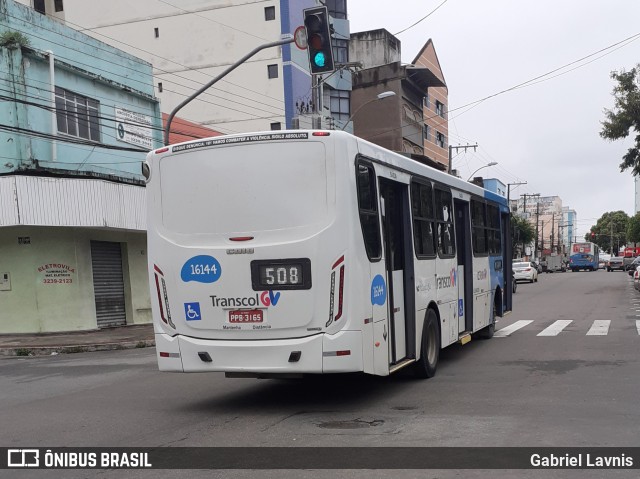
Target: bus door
465, 266
506, 263
397, 244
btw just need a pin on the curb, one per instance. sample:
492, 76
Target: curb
30, 351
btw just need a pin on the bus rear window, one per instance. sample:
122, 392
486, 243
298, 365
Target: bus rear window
247, 188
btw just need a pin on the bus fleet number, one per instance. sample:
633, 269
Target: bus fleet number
282, 275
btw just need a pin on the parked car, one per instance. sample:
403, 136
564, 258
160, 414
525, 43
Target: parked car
514, 286
526, 271
615, 263
636, 279
631, 267
537, 266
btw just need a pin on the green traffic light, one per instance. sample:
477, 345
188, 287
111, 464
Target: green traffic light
319, 59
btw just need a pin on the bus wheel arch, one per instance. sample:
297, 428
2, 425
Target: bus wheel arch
430, 343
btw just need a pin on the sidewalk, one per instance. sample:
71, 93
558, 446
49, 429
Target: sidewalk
125, 337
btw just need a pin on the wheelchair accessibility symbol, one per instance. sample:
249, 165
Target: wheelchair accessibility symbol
192, 311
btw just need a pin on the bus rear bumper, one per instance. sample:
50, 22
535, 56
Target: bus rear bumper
321, 353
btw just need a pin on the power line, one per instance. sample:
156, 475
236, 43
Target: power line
262, 95
103, 115
530, 82
214, 21
119, 64
625, 42
422, 19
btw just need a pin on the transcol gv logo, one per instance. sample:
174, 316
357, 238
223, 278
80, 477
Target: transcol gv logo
447, 281
266, 299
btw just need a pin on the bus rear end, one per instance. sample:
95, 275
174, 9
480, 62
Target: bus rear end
246, 258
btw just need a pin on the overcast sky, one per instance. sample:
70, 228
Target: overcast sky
546, 134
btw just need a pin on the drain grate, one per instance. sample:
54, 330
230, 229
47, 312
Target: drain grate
352, 424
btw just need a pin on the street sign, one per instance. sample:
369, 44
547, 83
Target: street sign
134, 128
300, 37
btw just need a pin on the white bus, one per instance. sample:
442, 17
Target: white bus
300, 252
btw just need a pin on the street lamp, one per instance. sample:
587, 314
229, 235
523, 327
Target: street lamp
493, 163
379, 96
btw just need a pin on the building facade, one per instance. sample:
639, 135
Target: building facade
569, 227
77, 120
546, 215
406, 121
191, 42
496, 186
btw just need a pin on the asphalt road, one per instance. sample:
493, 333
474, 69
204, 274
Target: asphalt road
574, 388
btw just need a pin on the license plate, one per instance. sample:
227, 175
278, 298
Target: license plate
246, 316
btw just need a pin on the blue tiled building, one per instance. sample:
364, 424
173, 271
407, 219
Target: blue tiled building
77, 117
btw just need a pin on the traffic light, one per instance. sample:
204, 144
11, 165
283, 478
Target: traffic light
593, 235
316, 21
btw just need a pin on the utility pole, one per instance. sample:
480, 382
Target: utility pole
525, 196
537, 221
611, 247
561, 245
553, 225
451, 148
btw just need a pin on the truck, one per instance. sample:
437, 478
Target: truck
552, 264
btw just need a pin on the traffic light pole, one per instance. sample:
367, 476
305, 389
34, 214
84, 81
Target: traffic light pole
167, 129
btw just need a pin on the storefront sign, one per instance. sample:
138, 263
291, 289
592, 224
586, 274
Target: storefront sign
56, 273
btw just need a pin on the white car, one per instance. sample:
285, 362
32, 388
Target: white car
525, 272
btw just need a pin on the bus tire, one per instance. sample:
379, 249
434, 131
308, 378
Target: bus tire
488, 331
426, 366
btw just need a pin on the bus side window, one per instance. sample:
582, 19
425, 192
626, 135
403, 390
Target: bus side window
493, 230
423, 219
478, 228
444, 218
368, 210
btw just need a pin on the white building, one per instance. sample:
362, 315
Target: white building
190, 42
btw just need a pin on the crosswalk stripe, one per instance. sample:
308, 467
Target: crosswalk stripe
504, 332
600, 327
556, 328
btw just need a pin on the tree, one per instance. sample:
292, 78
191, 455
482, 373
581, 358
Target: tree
522, 233
610, 226
633, 229
625, 116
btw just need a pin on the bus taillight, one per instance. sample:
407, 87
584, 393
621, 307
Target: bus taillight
340, 292
163, 298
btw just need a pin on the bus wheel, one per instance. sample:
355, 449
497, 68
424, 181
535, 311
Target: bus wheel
487, 332
426, 366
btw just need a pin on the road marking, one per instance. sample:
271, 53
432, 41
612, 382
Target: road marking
638, 325
556, 328
600, 327
504, 332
